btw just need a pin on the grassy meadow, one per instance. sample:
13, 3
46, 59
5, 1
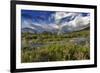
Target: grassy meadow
46, 47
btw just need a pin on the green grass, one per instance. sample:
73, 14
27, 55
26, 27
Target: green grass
55, 51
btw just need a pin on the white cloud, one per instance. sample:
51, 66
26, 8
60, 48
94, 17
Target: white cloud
79, 22
60, 15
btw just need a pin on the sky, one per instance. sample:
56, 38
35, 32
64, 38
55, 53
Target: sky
48, 17
38, 16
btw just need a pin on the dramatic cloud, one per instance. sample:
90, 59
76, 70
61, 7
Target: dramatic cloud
52, 20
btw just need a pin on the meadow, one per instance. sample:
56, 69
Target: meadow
46, 46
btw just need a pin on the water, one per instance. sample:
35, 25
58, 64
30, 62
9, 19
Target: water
37, 45
78, 41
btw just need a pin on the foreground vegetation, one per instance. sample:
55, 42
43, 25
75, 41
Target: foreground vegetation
51, 47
